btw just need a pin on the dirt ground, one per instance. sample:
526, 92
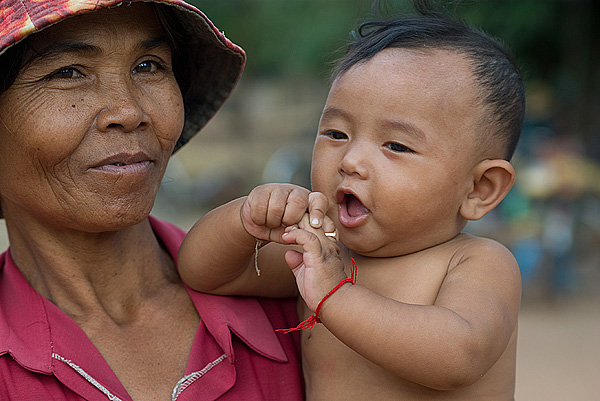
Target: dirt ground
558, 351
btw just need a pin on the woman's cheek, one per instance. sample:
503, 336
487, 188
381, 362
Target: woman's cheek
169, 114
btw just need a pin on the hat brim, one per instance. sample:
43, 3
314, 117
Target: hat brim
212, 67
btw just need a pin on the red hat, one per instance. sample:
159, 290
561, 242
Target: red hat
213, 66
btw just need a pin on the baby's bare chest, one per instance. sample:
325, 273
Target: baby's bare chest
330, 365
410, 279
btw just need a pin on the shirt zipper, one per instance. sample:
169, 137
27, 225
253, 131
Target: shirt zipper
181, 385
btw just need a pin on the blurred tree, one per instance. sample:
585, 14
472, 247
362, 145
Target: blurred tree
556, 42
286, 37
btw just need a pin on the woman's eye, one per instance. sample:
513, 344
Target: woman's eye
67, 73
336, 135
397, 147
146, 66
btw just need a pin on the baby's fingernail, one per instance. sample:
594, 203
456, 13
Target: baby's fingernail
316, 223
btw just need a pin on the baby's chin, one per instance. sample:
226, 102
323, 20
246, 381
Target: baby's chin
361, 248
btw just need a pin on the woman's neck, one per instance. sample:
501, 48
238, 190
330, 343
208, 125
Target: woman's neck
84, 274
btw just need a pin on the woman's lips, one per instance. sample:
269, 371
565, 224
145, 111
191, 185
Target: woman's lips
124, 163
352, 211
122, 168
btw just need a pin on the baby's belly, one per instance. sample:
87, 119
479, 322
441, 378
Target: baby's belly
333, 372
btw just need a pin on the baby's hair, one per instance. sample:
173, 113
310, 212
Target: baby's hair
501, 89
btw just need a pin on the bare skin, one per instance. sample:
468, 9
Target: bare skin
89, 128
135, 311
399, 171
406, 348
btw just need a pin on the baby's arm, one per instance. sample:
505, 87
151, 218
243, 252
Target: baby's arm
446, 346
217, 255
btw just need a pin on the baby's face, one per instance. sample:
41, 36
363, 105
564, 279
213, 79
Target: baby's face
395, 151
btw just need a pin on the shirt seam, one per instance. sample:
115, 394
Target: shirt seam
189, 379
87, 377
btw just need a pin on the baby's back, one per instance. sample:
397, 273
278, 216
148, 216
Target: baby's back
334, 371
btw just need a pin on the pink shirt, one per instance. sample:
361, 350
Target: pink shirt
236, 354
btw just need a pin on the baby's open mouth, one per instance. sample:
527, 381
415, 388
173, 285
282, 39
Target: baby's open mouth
352, 211
354, 206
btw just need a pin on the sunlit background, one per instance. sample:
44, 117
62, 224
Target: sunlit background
551, 218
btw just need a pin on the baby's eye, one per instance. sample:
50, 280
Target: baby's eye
67, 73
397, 147
147, 66
336, 135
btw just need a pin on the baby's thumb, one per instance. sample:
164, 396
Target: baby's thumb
293, 259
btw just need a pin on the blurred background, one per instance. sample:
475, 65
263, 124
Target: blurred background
551, 218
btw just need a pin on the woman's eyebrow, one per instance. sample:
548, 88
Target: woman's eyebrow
74, 47
62, 47
153, 43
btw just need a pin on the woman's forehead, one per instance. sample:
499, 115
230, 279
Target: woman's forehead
133, 20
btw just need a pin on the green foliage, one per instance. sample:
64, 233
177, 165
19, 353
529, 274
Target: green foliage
554, 41
286, 37
292, 37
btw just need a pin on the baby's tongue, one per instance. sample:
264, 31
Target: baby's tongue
355, 207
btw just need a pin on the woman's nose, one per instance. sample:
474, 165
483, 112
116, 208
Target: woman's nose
122, 109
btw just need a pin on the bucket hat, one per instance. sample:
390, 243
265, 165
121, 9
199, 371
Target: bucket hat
212, 66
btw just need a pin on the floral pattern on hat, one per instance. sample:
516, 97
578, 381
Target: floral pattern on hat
19, 18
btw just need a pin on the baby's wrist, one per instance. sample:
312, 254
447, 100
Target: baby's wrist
334, 296
315, 318
247, 237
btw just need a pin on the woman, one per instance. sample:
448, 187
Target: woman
91, 303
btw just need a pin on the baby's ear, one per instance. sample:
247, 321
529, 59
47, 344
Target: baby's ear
492, 179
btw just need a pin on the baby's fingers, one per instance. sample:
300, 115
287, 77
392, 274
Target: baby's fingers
307, 240
317, 208
256, 208
274, 205
318, 269
297, 202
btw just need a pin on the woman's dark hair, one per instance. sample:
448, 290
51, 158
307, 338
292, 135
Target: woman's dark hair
10, 65
175, 34
494, 68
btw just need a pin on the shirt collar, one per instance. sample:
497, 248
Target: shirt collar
24, 328
243, 316
25, 321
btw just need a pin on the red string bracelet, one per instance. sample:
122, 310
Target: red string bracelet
313, 319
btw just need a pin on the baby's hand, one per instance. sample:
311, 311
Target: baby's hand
319, 268
270, 208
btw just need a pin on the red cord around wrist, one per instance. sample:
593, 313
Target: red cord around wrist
313, 319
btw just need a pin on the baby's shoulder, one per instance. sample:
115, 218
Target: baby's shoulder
455, 251
468, 248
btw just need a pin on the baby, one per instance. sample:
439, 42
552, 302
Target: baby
414, 141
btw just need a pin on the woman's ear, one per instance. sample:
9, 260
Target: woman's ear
492, 179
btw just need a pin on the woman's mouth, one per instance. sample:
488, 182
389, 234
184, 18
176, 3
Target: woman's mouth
125, 163
123, 168
352, 211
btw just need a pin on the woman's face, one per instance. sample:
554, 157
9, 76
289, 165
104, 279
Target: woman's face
90, 123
